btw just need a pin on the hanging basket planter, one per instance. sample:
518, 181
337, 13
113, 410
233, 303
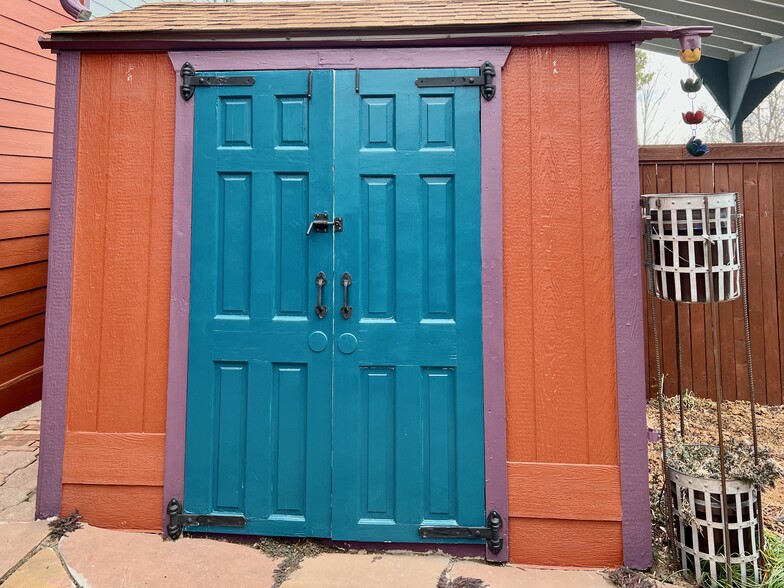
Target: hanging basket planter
699, 527
680, 239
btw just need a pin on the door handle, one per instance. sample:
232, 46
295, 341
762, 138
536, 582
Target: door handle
321, 223
321, 281
345, 281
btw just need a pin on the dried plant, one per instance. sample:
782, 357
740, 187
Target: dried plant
703, 461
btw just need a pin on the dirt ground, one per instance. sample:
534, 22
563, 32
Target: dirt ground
700, 426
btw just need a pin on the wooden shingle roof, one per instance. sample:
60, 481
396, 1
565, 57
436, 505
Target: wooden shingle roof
337, 15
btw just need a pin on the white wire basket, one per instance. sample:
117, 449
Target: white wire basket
699, 530
679, 241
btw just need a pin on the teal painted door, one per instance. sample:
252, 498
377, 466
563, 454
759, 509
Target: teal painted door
362, 425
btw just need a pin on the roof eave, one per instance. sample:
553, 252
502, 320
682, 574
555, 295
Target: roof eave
488, 35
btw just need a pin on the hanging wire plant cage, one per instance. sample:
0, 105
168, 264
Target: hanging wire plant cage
681, 239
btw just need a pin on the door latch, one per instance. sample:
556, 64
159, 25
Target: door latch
491, 533
321, 223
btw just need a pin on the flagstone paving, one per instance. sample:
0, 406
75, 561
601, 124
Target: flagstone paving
17, 540
43, 570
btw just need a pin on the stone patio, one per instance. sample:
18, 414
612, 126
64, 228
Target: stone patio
30, 557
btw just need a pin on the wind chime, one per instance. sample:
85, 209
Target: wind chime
690, 54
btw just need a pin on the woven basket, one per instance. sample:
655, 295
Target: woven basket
680, 245
699, 537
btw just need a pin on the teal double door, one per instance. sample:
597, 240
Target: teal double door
335, 370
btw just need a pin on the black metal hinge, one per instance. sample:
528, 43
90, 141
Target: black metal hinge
484, 81
179, 519
491, 533
191, 80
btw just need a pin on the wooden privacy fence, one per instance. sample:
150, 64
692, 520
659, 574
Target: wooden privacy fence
756, 172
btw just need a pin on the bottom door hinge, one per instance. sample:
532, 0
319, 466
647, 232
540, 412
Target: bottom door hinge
491, 533
179, 519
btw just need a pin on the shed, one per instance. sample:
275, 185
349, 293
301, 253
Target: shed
365, 271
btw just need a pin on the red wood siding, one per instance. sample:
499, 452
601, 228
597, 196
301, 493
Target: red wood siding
561, 394
27, 77
116, 409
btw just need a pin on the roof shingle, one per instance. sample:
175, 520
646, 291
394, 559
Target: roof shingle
335, 15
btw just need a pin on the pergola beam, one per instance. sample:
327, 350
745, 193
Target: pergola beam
706, 15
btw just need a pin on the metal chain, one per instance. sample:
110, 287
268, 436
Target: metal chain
659, 378
752, 392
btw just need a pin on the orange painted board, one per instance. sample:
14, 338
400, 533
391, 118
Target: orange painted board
585, 544
115, 507
22, 332
16, 34
25, 170
564, 491
23, 223
22, 305
22, 277
23, 250
21, 63
518, 259
24, 196
21, 361
25, 142
122, 265
559, 315
13, 87
598, 253
26, 116
114, 459
33, 15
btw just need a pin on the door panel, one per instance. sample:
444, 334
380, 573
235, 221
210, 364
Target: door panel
258, 436
358, 428
408, 420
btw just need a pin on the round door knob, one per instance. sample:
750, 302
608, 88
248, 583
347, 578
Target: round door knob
317, 341
347, 343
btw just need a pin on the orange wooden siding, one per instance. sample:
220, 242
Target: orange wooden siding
117, 382
756, 172
562, 430
27, 77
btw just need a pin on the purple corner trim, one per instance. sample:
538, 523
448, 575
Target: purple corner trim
58, 293
179, 318
75, 9
629, 332
496, 483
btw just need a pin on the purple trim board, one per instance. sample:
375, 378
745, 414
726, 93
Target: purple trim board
496, 493
58, 293
629, 321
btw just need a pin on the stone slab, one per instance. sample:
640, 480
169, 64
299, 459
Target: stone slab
24, 512
353, 570
17, 540
99, 557
26, 477
12, 496
11, 461
43, 570
497, 576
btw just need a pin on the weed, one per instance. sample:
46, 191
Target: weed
624, 577
67, 524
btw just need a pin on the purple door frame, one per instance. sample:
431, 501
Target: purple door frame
496, 496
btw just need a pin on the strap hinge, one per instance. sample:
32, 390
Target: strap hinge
179, 519
484, 81
192, 79
491, 533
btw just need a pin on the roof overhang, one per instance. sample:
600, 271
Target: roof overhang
465, 36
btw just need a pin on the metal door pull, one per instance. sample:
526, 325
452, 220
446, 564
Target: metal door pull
321, 281
345, 281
